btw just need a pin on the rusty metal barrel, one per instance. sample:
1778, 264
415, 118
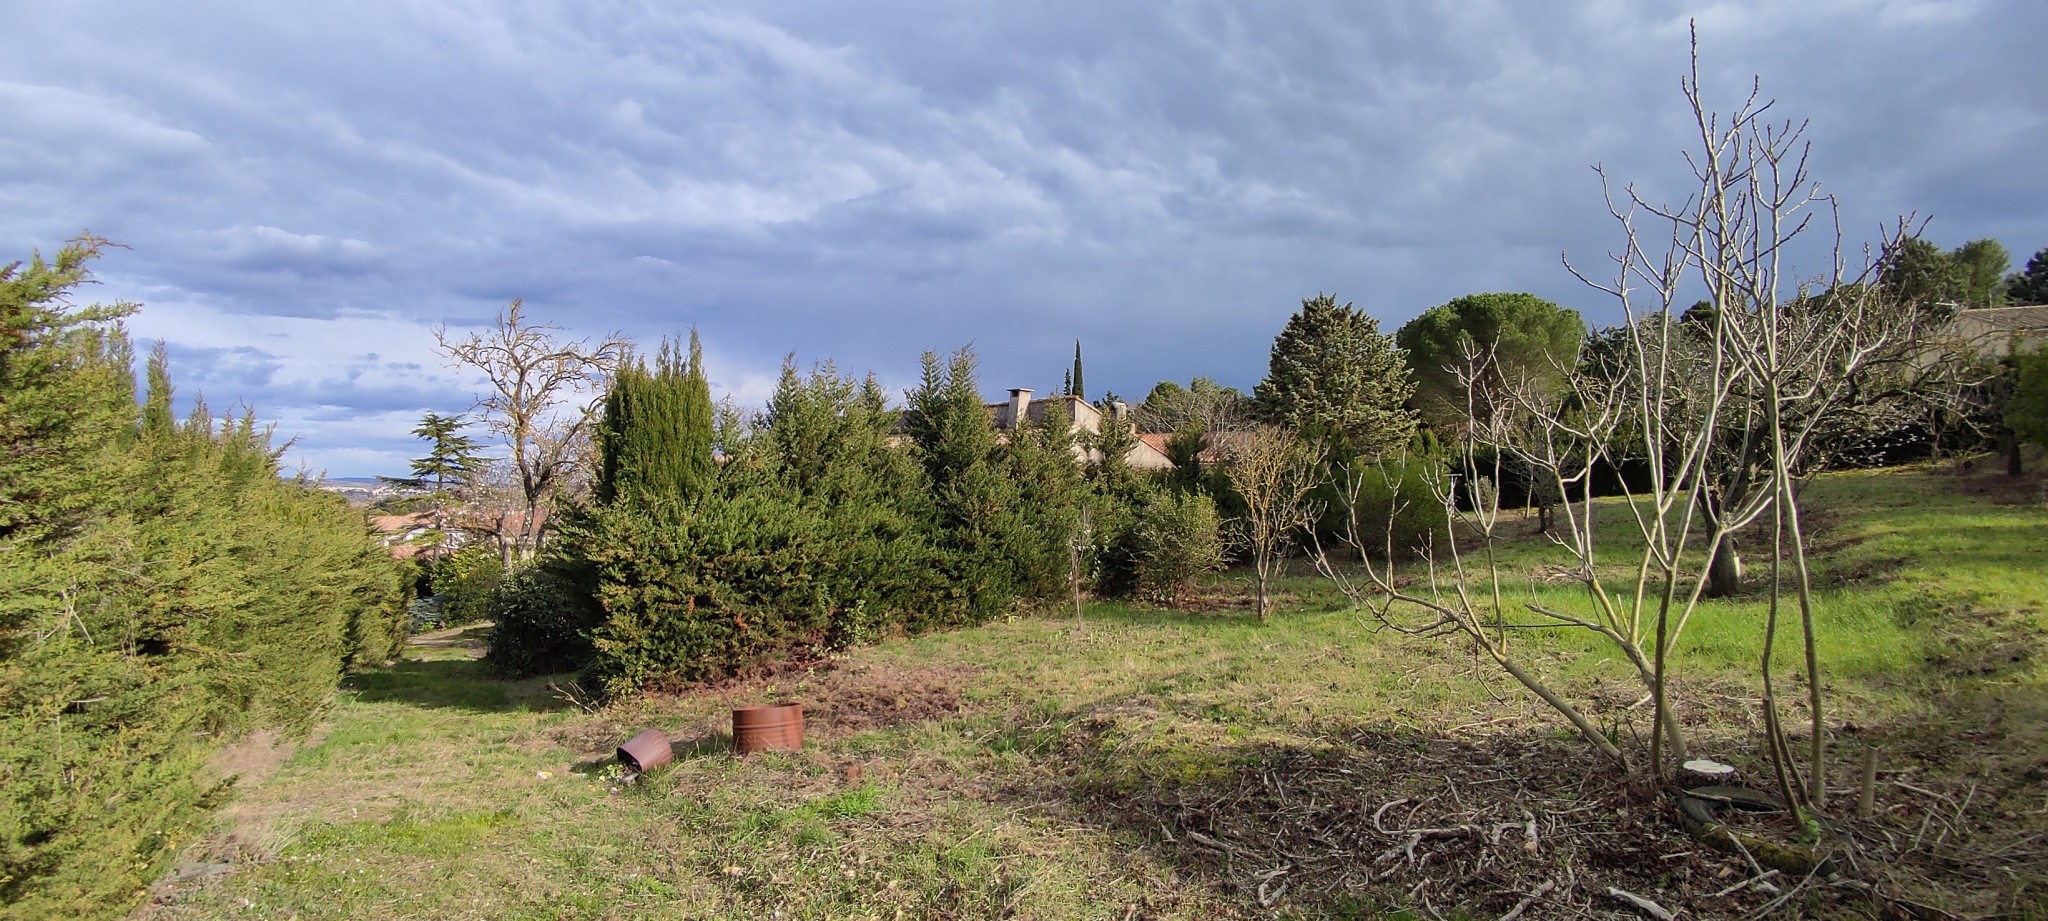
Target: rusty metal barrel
646, 751
777, 727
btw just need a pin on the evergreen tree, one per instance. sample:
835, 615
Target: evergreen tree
65, 395
1078, 388
1039, 527
1979, 271
1112, 444
654, 440
1916, 272
162, 590
1506, 340
955, 441
157, 419
947, 421
1335, 378
699, 417
2030, 287
452, 457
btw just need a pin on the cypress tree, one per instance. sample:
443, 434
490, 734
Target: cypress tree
698, 423
1079, 389
621, 468
655, 438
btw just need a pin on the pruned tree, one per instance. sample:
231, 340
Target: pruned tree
535, 376
1756, 382
1274, 471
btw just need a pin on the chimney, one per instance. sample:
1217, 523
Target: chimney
1119, 410
1020, 404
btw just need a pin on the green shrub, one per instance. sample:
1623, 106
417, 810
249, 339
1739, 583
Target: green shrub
465, 582
542, 617
1396, 502
1114, 545
698, 592
1176, 540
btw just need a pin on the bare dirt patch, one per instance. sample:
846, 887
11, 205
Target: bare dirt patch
869, 697
837, 702
253, 757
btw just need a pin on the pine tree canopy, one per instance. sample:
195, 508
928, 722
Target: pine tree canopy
1510, 339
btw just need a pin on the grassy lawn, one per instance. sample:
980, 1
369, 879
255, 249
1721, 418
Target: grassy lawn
1189, 763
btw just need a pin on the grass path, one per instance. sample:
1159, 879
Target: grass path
1155, 764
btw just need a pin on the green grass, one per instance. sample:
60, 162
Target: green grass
436, 791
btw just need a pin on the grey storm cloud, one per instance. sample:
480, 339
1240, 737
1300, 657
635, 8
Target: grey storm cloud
301, 185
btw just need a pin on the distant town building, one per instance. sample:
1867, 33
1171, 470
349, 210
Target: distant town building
1082, 415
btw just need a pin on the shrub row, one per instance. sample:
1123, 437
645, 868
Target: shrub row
831, 521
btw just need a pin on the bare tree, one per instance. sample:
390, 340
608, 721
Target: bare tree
534, 373
1274, 472
1729, 405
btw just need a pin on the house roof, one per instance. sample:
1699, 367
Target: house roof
399, 524
1034, 412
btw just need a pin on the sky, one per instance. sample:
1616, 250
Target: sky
306, 192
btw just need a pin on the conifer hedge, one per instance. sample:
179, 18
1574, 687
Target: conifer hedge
162, 591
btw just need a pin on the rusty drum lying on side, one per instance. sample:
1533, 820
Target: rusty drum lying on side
646, 751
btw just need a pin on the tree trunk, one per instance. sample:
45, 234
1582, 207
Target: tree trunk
1724, 570
2012, 455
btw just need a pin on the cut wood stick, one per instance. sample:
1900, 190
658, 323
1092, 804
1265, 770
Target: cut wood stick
1644, 905
1211, 843
1382, 811
1529, 900
1760, 881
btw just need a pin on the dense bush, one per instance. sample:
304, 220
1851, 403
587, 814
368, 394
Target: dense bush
464, 582
699, 591
813, 534
162, 590
542, 616
1397, 503
1175, 540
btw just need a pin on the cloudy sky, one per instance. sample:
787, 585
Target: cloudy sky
307, 190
